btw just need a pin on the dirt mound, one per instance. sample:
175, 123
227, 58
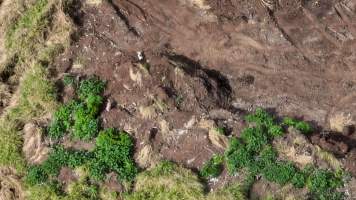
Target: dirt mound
10, 185
34, 148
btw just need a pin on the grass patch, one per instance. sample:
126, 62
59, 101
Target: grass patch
28, 29
170, 181
167, 181
35, 96
230, 192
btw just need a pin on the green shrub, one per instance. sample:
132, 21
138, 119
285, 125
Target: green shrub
323, 183
36, 175
279, 172
93, 103
299, 180
62, 120
255, 153
237, 156
91, 86
85, 126
113, 152
254, 138
213, 167
303, 127
61, 157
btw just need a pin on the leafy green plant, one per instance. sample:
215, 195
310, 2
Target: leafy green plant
60, 157
93, 103
91, 86
36, 175
62, 120
323, 183
113, 152
261, 118
85, 126
254, 152
299, 180
213, 167
303, 127
237, 156
279, 172
255, 138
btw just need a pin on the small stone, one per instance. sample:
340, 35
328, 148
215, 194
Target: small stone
109, 105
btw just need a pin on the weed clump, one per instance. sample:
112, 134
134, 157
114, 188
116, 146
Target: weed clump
113, 152
253, 152
213, 167
303, 127
79, 117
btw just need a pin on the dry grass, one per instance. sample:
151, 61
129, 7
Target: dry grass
338, 121
94, 2
147, 112
147, 158
215, 137
11, 187
329, 158
34, 149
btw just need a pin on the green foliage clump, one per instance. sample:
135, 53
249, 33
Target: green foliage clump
302, 126
213, 167
323, 183
262, 118
91, 87
36, 175
113, 152
79, 117
86, 126
279, 172
255, 138
62, 120
253, 152
58, 158
299, 180
237, 155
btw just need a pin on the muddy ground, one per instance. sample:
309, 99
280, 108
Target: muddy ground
205, 63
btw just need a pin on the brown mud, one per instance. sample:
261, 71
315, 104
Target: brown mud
201, 64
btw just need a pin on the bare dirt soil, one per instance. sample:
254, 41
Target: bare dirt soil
214, 60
